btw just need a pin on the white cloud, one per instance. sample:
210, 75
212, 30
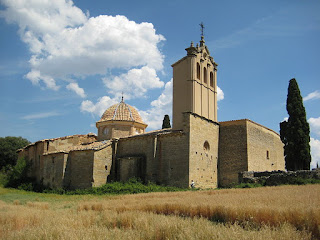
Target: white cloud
97, 109
163, 105
220, 94
78, 90
315, 152
40, 115
159, 107
43, 16
35, 76
315, 125
134, 83
315, 143
65, 42
312, 96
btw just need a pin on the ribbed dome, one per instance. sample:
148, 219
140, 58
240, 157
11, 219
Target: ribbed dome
121, 112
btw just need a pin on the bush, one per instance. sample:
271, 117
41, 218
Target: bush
17, 176
248, 185
133, 186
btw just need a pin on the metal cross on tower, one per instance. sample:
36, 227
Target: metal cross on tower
202, 28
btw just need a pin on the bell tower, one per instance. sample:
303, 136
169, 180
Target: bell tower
195, 84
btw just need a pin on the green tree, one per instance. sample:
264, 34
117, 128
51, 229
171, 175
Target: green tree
8, 150
166, 122
19, 174
295, 133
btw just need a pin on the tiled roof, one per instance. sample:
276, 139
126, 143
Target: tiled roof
121, 112
61, 138
166, 131
82, 147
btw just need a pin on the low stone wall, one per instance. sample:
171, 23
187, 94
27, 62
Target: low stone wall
278, 177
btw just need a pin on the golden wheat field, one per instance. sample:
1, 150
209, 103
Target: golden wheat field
284, 212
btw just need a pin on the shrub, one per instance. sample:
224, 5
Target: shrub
248, 185
133, 186
18, 175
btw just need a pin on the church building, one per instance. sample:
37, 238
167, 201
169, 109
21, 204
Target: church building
197, 148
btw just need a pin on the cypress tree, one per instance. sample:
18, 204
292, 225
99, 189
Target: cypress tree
166, 122
295, 133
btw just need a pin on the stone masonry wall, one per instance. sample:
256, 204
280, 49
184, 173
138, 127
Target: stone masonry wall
140, 146
278, 177
60, 144
265, 149
165, 156
130, 167
232, 152
79, 170
35, 152
204, 136
172, 159
54, 167
102, 159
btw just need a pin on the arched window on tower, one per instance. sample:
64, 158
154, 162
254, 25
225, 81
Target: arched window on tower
205, 75
211, 79
198, 71
206, 146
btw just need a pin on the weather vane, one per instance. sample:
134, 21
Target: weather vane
202, 28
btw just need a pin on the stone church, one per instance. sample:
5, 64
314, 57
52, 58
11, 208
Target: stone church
197, 147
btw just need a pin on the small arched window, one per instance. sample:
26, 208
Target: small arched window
198, 71
205, 75
206, 146
211, 79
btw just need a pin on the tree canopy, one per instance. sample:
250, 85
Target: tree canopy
166, 122
8, 150
295, 133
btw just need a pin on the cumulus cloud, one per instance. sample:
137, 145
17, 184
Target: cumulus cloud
315, 152
315, 143
220, 94
315, 125
312, 96
99, 107
75, 88
152, 116
35, 76
65, 43
134, 83
159, 107
163, 105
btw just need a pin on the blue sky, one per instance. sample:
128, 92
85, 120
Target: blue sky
62, 63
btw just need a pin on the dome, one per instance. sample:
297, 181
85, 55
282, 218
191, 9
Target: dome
121, 112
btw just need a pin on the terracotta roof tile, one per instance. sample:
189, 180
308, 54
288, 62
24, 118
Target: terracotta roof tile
121, 112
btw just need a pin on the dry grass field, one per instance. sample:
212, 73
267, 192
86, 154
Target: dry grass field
284, 212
